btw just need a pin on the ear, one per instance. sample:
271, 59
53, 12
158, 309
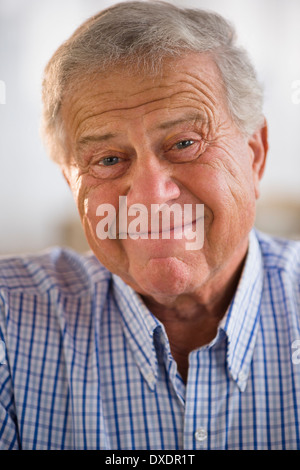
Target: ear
258, 145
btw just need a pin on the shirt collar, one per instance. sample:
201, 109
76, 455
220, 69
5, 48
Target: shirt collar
240, 324
138, 325
241, 321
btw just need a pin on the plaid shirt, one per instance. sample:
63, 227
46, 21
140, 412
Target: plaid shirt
85, 365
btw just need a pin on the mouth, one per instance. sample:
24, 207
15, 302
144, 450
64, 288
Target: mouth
134, 222
177, 231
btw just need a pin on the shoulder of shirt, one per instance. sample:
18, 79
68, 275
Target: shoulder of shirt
280, 254
57, 268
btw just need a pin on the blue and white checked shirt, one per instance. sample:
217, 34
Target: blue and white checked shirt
85, 365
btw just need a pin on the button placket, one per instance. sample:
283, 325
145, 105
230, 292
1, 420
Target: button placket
206, 394
195, 430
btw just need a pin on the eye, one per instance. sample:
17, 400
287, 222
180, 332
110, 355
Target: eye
184, 150
109, 161
109, 167
183, 144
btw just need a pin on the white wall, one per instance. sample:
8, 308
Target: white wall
35, 203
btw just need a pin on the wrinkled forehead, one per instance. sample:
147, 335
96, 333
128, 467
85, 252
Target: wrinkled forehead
191, 81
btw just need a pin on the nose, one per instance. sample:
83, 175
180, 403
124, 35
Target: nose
151, 182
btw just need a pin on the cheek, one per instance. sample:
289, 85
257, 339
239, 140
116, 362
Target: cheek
209, 185
89, 194
96, 205
108, 251
225, 188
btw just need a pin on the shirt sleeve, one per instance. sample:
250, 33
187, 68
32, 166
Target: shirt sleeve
8, 422
8, 432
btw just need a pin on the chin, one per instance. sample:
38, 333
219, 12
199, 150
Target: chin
163, 277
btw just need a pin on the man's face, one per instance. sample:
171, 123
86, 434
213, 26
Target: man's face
163, 140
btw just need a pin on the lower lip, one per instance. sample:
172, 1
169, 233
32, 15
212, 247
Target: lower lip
174, 230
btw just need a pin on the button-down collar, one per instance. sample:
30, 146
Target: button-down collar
138, 326
239, 323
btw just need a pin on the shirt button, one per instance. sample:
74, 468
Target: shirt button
201, 435
150, 378
242, 376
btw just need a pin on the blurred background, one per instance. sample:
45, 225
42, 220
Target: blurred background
36, 207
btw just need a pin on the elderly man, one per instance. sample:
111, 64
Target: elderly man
153, 342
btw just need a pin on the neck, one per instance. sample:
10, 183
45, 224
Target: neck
210, 300
191, 321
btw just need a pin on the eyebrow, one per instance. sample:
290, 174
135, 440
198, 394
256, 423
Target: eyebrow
187, 118
164, 125
95, 138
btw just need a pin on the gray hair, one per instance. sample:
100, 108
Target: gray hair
142, 34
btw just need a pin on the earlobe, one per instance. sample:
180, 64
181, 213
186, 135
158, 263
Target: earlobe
258, 143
